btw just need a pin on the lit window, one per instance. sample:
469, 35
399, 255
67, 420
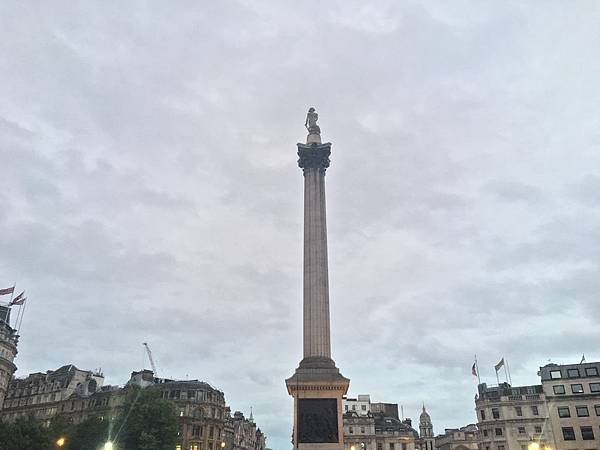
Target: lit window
587, 434
577, 388
555, 374
568, 433
582, 411
559, 389
564, 411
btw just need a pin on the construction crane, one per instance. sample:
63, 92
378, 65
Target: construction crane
145, 344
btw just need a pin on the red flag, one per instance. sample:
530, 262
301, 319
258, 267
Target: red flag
18, 301
7, 291
474, 369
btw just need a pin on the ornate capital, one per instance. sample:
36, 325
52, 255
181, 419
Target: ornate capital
315, 156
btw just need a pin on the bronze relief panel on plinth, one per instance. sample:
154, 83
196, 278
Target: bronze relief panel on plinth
317, 421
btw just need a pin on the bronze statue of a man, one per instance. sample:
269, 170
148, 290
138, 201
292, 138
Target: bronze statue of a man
311, 122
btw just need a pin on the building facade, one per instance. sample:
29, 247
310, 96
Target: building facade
426, 436
205, 422
376, 426
573, 395
512, 418
464, 438
8, 351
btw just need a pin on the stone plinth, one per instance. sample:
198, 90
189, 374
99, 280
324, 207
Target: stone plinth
318, 387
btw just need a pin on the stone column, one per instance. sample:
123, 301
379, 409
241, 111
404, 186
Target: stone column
317, 385
314, 160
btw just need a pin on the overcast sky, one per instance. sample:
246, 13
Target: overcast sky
150, 190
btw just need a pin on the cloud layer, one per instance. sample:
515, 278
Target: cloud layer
150, 190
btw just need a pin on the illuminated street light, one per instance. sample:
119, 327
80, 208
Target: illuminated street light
108, 446
352, 447
60, 442
533, 446
222, 444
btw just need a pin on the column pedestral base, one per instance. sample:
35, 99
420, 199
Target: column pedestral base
318, 387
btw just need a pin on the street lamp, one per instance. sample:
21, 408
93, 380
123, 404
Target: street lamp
108, 445
223, 444
60, 442
533, 446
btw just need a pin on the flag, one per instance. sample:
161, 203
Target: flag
474, 369
499, 365
18, 301
7, 291
582, 359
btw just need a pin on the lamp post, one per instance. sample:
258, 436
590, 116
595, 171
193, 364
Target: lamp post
60, 442
108, 445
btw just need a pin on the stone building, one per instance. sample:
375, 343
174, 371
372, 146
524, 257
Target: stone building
573, 393
204, 419
44, 395
512, 417
426, 436
8, 351
376, 426
464, 438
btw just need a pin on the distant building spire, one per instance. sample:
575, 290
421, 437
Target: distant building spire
251, 419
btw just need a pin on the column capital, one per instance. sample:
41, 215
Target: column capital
314, 156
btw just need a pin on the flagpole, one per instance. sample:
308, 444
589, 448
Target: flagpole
505, 371
22, 314
509, 377
12, 294
477, 367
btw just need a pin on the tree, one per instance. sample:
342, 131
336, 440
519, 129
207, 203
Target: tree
148, 422
90, 434
24, 434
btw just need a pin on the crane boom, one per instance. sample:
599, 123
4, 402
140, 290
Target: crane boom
145, 344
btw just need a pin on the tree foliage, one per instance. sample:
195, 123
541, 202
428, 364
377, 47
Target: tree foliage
147, 422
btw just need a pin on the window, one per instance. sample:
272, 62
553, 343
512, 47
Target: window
582, 411
379, 446
573, 373
362, 430
501, 447
538, 429
534, 410
591, 371
495, 413
485, 433
404, 446
595, 387
521, 430
346, 407
568, 433
391, 446
597, 408
363, 407
577, 388
353, 407
519, 411
351, 430
564, 411
555, 374
482, 414
587, 434
559, 389
498, 431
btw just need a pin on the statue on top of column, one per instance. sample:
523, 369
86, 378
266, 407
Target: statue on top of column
311, 122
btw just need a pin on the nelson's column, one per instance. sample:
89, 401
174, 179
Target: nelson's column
317, 385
